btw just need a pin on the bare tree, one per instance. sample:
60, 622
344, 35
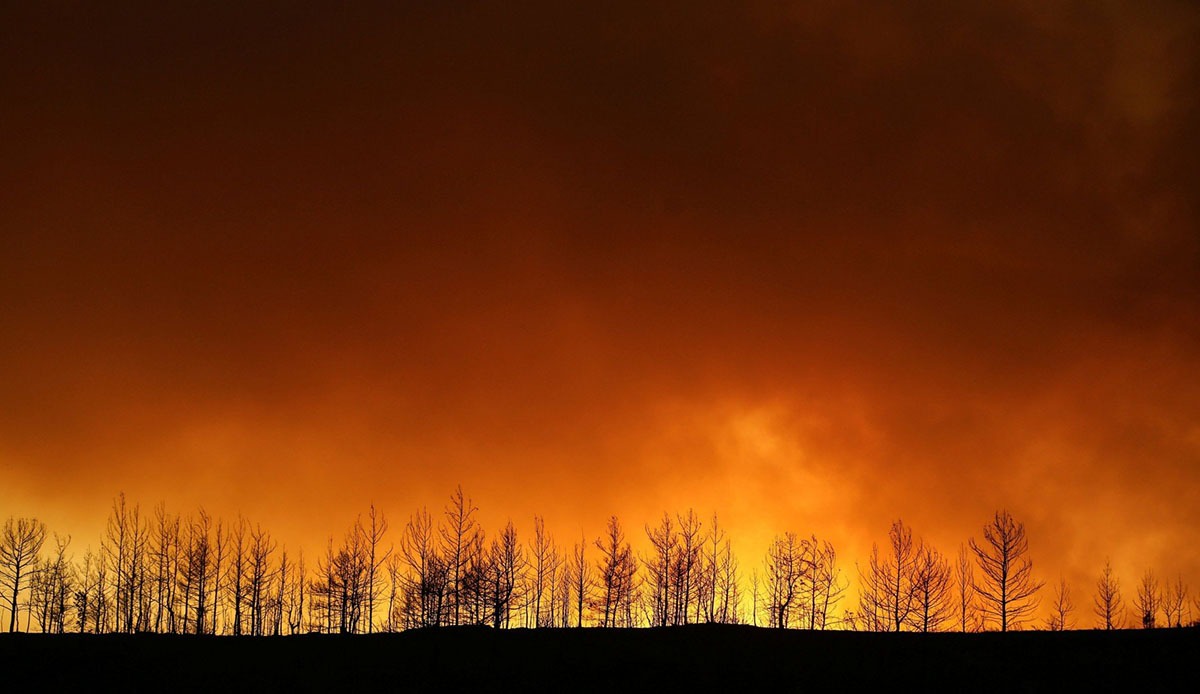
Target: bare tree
617, 570
50, 586
754, 597
821, 587
1007, 591
581, 580
563, 597
239, 569
457, 536
278, 611
259, 576
686, 568
294, 602
966, 611
545, 561
871, 614
427, 581
932, 598
127, 536
783, 571
508, 568
100, 609
395, 574
710, 570
339, 592
163, 556
1060, 615
19, 548
888, 598
1173, 600
84, 591
200, 566
1109, 605
1147, 601
322, 591
220, 545
373, 533
663, 541
728, 590
476, 589
186, 574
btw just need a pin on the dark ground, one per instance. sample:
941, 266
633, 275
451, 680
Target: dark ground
705, 658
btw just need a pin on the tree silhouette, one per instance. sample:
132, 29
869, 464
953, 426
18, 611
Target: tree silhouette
889, 595
964, 590
617, 572
239, 569
820, 582
507, 562
426, 584
261, 575
127, 539
663, 543
277, 610
200, 566
562, 596
754, 596
727, 592
932, 581
1147, 601
710, 570
19, 547
1007, 589
84, 592
1173, 600
1109, 607
219, 551
475, 589
1060, 616
685, 571
372, 534
164, 556
581, 580
783, 571
49, 588
545, 561
339, 596
99, 606
457, 537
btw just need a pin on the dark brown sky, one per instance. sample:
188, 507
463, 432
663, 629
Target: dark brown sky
812, 265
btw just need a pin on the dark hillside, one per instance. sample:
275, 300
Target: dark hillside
708, 657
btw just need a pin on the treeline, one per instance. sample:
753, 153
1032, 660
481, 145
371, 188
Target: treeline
166, 573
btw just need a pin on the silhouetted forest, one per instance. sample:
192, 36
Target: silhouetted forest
161, 572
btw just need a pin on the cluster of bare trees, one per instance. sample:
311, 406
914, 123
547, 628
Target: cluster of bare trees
19, 548
911, 586
174, 574
801, 584
164, 572
447, 573
1153, 598
691, 574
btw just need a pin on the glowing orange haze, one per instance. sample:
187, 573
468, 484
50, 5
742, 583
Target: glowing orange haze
810, 269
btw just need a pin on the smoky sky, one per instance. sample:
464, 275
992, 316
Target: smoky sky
827, 263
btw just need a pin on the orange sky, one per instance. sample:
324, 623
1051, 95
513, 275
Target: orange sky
813, 266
